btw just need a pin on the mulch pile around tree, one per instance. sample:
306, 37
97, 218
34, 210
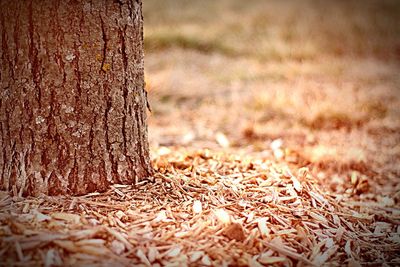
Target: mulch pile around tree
203, 209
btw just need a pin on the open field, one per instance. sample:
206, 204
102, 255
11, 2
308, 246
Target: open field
322, 76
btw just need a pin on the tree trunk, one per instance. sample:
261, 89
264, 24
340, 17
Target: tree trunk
73, 104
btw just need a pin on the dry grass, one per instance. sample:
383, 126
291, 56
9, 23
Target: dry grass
281, 30
245, 94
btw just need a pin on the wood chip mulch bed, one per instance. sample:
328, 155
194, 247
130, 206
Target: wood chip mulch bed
203, 209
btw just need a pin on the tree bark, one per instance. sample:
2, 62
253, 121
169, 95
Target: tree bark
72, 104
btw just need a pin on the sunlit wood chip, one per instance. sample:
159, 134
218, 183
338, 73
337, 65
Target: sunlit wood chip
347, 248
183, 215
339, 234
354, 177
173, 252
276, 144
318, 217
52, 258
329, 243
66, 244
197, 207
336, 219
319, 198
296, 184
117, 247
40, 217
222, 140
380, 228
223, 216
188, 137
182, 234
93, 250
386, 201
161, 216
69, 217
320, 259
93, 242
266, 259
162, 151
120, 214
395, 238
262, 226
119, 237
278, 154
250, 217
87, 233
196, 256
361, 216
25, 209
140, 254
286, 231
206, 260
152, 254
253, 263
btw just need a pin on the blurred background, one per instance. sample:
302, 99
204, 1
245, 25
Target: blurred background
313, 83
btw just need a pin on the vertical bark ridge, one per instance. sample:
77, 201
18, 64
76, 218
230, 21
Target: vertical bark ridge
103, 68
16, 38
33, 55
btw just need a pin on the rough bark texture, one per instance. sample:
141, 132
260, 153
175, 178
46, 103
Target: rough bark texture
72, 105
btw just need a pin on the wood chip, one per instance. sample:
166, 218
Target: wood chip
152, 254
206, 260
266, 259
234, 231
197, 207
196, 255
143, 257
173, 252
215, 203
120, 237
262, 226
223, 216
69, 217
117, 247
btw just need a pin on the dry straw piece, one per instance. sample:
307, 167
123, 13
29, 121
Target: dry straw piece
202, 209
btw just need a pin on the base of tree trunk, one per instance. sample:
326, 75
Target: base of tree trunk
73, 104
